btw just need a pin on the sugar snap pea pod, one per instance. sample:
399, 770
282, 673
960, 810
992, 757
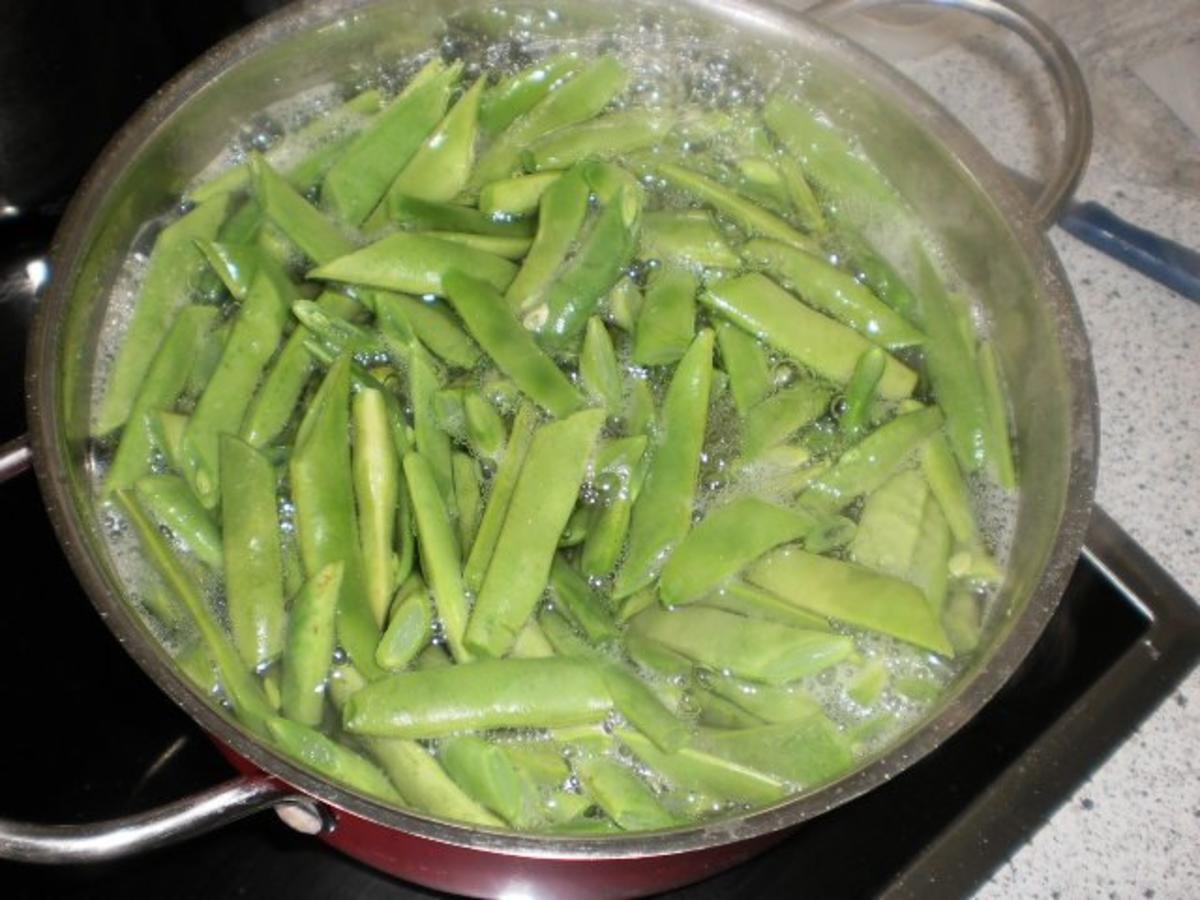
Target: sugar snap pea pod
359, 179
662, 513
413, 771
234, 264
512, 348
274, 406
745, 361
759, 306
221, 408
851, 594
430, 322
171, 503
580, 98
575, 597
495, 693
725, 541
164, 381
253, 556
561, 214
439, 169
376, 464
486, 433
516, 95
770, 703
604, 137
995, 424
688, 238
408, 631
953, 372
599, 371
605, 250
468, 496
432, 442
749, 648
331, 759
804, 753
499, 497
870, 462
541, 503
833, 292
488, 774
750, 600
667, 321
623, 796
781, 415
517, 196
311, 637
241, 689
415, 214
514, 248
440, 555
533, 643
623, 304
319, 238
860, 391
752, 218
644, 711
162, 295
322, 480
689, 769
415, 264
890, 524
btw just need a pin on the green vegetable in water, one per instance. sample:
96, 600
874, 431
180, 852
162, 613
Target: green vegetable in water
593, 434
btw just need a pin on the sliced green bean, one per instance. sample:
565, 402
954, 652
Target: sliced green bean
749, 600
667, 321
514, 248
749, 648
575, 597
624, 797
162, 295
415, 214
689, 769
946, 481
517, 196
311, 637
532, 643
432, 441
599, 371
331, 759
431, 323
644, 711
440, 556
164, 382
997, 444
640, 414
221, 408
468, 497
602, 138
376, 464
688, 238
520, 92
860, 391
415, 264
513, 349
169, 500
851, 594
489, 775
486, 432
890, 524
781, 415
541, 503
804, 753
929, 566
622, 481
359, 179
441, 166
623, 303
770, 703
725, 541
320, 239
166, 433
759, 306
322, 481
561, 214
804, 202
495, 693
833, 292
580, 98
409, 629
662, 513
234, 264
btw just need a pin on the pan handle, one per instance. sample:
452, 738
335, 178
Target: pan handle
1064, 71
184, 818
128, 835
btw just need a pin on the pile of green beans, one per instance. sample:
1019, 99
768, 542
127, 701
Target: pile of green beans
533, 459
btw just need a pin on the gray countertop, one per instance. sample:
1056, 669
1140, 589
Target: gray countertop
1133, 829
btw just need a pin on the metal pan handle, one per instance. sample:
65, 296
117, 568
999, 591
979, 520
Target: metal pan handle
1064, 71
128, 835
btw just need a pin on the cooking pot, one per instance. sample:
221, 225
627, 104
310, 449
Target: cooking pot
991, 237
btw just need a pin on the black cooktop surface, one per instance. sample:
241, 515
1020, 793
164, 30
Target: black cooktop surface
88, 735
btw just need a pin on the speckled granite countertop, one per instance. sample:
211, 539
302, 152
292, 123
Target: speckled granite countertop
1133, 829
